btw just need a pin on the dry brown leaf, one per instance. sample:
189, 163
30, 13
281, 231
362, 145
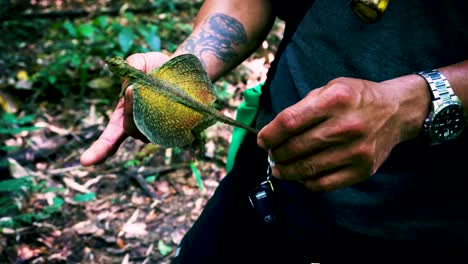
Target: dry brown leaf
134, 230
58, 130
86, 228
25, 252
126, 259
75, 186
92, 181
18, 171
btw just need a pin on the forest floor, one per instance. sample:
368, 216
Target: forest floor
135, 207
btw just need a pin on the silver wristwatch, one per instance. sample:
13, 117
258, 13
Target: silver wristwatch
446, 120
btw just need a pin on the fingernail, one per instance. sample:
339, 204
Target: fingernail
261, 143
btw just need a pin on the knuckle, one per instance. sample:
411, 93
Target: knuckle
288, 119
339, 80
340, 94
364, 154
354, 126
137, 60
307, 168
343, 93
326, 184
294, 145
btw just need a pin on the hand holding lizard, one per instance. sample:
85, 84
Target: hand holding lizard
121, 123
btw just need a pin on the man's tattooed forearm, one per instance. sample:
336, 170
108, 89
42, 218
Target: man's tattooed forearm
219, 36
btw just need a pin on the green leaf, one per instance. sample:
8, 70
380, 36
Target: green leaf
101, 21
131, 163
6, 222
57, 206
54, 189
9, 149
126, 37
154, 42
52, 79
14, 131
9, 119
163, 248
171, 47
8, 209
39, 186
27, 218
130, 17
152, 178
15, 184
197, 175
58, 201
86, 30
86, 197
70, 28
75, 60
26, 119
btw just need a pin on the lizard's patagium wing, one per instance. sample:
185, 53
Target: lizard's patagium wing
186, 72
161, 119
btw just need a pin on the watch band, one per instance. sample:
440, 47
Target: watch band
440, 87
445, 119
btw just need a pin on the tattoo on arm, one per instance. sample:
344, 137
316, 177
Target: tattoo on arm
219, 36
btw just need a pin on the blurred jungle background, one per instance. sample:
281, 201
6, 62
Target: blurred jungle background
56, 96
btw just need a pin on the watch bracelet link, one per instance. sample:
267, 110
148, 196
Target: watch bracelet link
441, 88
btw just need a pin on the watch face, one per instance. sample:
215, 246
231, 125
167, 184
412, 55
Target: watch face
448, 123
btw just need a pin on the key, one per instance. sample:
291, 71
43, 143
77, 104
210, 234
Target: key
262, 198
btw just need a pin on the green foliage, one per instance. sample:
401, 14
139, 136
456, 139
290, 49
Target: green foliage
86, 197
197, 175
16, 191
14, 185
163, 248
152, 178
77, 48
132, 163
12, 125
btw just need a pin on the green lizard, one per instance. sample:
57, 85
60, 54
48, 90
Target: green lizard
173, 104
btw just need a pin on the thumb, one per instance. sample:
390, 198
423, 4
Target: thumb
109, 141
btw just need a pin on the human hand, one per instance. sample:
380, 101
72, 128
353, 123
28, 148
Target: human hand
341, 133
121, 123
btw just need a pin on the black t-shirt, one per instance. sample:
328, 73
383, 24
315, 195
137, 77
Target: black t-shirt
420, 192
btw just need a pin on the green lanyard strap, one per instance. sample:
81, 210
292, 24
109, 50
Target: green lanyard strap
246, 113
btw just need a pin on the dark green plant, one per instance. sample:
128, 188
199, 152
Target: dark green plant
14, 193
11, 124
77, 49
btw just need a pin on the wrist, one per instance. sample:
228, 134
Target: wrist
414, 100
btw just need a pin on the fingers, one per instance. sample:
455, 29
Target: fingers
291, 121
109, 141
339, 179
334, 131
121, 123
147, 61
333, 100
129, 122
358, 156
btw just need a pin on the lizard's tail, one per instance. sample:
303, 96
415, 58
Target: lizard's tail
232, 122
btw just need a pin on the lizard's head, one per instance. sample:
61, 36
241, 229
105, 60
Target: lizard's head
117, 65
